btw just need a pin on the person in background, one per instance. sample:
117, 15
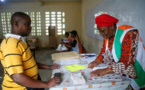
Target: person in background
68, 37
20, 68
75, 45
122, 49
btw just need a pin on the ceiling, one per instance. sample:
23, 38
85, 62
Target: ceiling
35, 0
40, 2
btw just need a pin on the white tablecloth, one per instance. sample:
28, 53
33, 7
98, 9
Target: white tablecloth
67, 83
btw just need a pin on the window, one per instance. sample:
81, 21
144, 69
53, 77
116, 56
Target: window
35, 23
6, 25
55, 19
38, 21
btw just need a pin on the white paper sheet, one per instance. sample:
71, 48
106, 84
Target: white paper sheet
108, 77
88, 59
69, 62
100, 66
61, 47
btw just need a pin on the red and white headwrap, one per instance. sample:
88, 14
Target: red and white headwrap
105, 20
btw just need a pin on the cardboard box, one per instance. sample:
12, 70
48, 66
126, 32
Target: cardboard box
52, 30
52, 41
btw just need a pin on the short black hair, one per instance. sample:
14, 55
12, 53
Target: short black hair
74, 32
18, 14
67, 33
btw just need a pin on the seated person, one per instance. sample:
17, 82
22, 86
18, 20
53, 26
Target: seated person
75, 45
68, 37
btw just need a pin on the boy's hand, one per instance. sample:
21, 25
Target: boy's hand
53, 82
55, 66
62, 43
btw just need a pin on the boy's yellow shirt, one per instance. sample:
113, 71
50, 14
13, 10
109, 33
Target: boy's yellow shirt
16, 58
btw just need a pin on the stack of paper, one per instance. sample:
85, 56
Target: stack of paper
65, 55
78, 78
75, 67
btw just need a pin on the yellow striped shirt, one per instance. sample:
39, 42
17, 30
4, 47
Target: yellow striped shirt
16, 58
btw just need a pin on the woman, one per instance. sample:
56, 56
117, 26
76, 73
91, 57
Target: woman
75, 45
120, 47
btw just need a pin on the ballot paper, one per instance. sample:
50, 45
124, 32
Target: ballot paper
65, 55
77, 78
69, 62
88, 59
100, 66
107, 77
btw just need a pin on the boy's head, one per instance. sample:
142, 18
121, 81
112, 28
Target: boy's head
21, 24
66, 34
73, 33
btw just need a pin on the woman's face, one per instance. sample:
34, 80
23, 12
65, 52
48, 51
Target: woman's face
107, 31
72, 36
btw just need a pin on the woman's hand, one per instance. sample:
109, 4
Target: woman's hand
101, 72
94, 64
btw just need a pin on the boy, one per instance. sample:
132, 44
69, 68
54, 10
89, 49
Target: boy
21, 70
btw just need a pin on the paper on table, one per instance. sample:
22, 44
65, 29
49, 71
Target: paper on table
61, 47
75, 67
108, 77
65, 55
69, 62
100, 66
88, 59
77, 78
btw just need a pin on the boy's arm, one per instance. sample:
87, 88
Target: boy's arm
26, 81
51, 67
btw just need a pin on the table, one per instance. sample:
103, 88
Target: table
67, 83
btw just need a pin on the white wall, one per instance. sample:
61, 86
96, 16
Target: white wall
72, 12
129, 12
91, 44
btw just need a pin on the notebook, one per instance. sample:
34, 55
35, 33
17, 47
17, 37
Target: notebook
65, 55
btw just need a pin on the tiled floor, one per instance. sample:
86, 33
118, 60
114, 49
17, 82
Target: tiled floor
42, 56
